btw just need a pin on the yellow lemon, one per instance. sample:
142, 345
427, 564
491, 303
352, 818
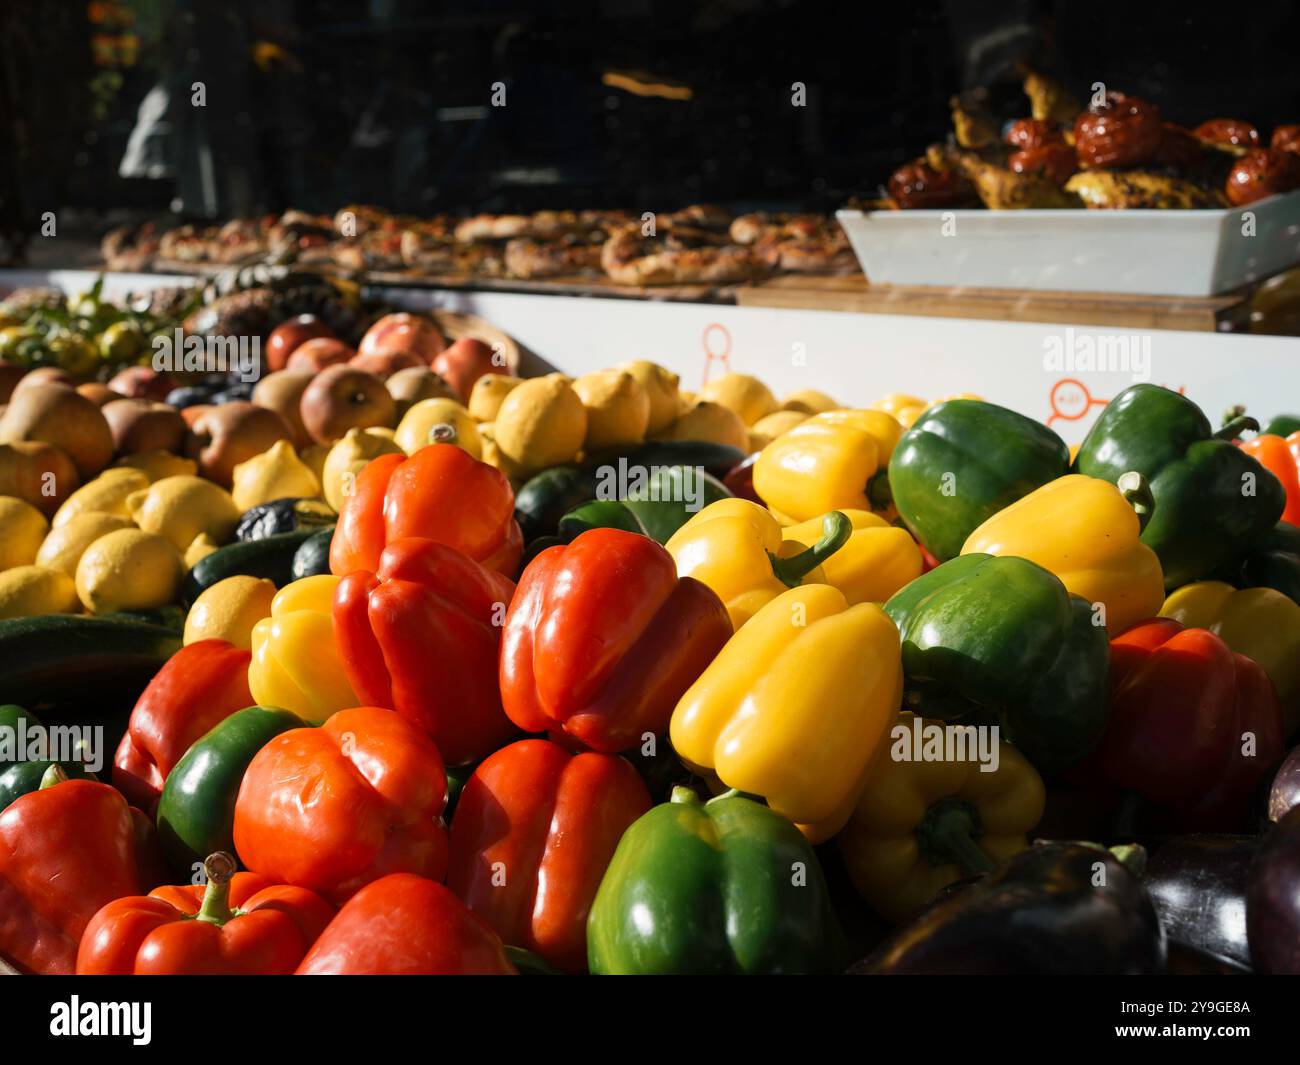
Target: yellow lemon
541, 423
108, 494
22, 528
63, 548
277, 473
661, 386
349, 457
229, 609
618, 408
29, 591
128, 570
744, 394
438, 421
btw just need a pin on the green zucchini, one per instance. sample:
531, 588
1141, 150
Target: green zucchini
313, 556
270, 557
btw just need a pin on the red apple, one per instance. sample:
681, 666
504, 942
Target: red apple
144, 425
316, 354
142, 382
465, 362
342, 398
223, 436
383, 364
404, 332
288, 336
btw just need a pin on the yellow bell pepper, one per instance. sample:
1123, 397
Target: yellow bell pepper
833, 461
1260, 623
878, 559
296, 664
930, 816
906, 409
1086, 532
736, 547
795, 705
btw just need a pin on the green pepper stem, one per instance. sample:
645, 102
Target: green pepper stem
1137, 493
836, 530
1234, 428
215, 908
879, 492
947, 834
1232, 413
1132, 856
55, 774
684, 795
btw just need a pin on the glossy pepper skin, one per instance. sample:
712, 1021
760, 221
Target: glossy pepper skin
1211, 498
962, 462
201, 684
20, 777
727, 886
602, 639
239, 924
1045, 912
1273, 562
296, 663
1260, 623
440, 493
406, 925
335, 807
876, 561
65, 850
736, 548
922, 824
548, 822
1182, 704
196, 814
987, 636
1281, 457
1086, 532
421, 637
796, 704
833, 461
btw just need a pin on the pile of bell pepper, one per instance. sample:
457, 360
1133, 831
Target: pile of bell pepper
922, 695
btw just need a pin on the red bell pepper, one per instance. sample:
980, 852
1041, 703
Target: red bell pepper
549, 822
335, 807
602, 639
201, 685
405, 925
422, 637
1281, 457
440, 493
1193, 727
238, 924
65, 851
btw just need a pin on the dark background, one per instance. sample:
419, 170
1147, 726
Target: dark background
318, 104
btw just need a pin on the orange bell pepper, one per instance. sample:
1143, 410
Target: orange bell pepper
1281, 457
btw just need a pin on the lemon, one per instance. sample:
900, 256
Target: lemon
488, 393
64, 546
22, 528
767, 429
314, 458
618, 408
229, 609
349, 457
438, 421
541, 423
29, 591
660, 386
106, 494
159, 464
128, 570
182, 508
740, 392
712, 422
200, 548
809, 401
277, 473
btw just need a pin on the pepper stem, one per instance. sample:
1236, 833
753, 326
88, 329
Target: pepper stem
215, 908
1236, 426
684, 795
947, 834
1232, 413
836, 529
55, 774
1137, 493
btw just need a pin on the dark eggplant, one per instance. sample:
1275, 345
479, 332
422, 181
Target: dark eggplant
1273, 899
1198, 884
1284, 795
189, 396
283, 516
1067, 908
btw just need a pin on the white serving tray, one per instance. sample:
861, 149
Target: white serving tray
1141, 252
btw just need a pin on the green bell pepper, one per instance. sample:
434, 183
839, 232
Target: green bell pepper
1212, 500
1282, 425
963, 461
1274, 562
18, 777
726, 886
999, 638
196, 813
670, 497
598, 514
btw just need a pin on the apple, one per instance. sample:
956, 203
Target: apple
383, 364
223, 436
142, 382
98, 393
315, 355
340, 398
144, 425
412, 333
39, 473
10, 374
282, 392
410, 386
465, 362
193, 413
288, 336
44, 375
58, 415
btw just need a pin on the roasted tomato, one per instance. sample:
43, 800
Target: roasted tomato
918, 185
1121, 131
1229, 131
1053, 161
1027, 133
1263, 172
1286, 139
1179, 147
